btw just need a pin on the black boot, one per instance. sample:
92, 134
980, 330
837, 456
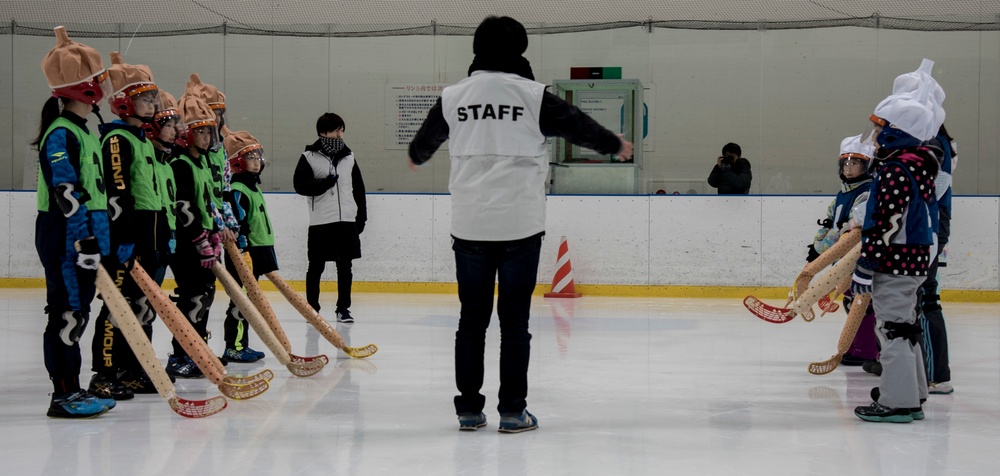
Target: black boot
108, 386
137, 381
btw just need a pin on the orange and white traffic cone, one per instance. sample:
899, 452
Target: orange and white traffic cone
562, 282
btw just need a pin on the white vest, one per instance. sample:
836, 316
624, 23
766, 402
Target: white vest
499, 162
336, 204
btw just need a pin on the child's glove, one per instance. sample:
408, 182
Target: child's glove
125, 252
812, 254
861, 282
216, 240
205, 251
89, 255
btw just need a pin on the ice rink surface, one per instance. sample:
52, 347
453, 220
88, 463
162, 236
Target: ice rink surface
619, 385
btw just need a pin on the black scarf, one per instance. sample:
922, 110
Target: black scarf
331, 146
518, 65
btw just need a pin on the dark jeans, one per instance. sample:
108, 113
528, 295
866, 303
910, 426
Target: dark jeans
344, 280
478, 265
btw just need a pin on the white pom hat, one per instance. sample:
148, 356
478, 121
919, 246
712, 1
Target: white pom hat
915, 105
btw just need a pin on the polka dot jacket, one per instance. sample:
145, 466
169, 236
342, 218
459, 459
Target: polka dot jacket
902, 215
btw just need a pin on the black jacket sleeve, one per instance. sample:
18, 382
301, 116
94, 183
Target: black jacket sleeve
359, 194
432, 133
560, 118
557, 118
244, 204
118, 179
240, 204
305, 182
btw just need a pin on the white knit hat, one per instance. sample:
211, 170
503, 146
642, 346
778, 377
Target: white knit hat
852, 147
915, 105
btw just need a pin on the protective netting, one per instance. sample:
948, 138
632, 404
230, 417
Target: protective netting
119, 18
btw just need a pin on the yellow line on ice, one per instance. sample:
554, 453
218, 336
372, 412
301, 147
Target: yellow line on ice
612, 290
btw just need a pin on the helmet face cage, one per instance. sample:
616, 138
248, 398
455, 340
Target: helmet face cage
123, 102
200, 128
163, 123
852, 158
161, 118
253, 152
872, 129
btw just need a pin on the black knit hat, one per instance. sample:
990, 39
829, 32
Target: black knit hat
500, 36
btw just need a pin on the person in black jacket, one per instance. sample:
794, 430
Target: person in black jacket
328, 174
731, 174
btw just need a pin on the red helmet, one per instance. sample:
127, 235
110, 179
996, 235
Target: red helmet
91, 91
238, 162
160, 119
185, 138
122, 103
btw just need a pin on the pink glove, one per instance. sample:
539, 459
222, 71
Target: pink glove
206, 252
216, 240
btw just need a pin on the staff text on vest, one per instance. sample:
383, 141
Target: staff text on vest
488, 111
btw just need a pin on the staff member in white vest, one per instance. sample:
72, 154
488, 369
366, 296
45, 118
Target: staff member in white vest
328, 174
497, 120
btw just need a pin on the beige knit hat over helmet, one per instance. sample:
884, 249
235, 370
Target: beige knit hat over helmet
74, 70
240, 142
195, 112
238, 146
126, 78
168, 106
127, 82
209, 93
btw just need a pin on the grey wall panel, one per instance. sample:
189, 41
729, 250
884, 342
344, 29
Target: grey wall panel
301, 93
249, 89
787, 97
7, 175
360, 68
708, 93
985, 152
172, 59
816, 89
